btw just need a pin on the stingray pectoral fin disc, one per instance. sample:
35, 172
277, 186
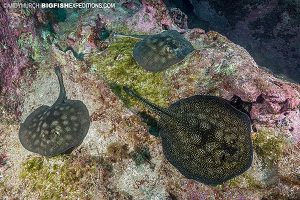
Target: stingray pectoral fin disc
79, 119
204, 137
212, 143
55, 130
69, 128
50, 131
30, 127
158, 52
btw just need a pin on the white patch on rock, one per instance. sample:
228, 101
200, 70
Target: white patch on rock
142, 182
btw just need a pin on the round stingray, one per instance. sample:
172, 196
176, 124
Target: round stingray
157, 52
212, 142
204, 137
53, 130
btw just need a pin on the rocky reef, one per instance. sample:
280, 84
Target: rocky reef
268, 30
119, 158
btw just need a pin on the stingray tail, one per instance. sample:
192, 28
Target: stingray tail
157, 109
62, 92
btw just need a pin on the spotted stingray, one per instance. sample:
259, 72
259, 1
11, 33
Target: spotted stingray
54, 130
204, 137
157, 52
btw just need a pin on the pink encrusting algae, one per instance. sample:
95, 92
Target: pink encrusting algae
12, 59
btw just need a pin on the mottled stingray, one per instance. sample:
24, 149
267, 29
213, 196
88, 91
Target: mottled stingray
204, 137
157, 52
54, 130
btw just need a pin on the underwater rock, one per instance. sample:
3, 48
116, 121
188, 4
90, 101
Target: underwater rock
152, 18
269, 30
204, 72
50, 131
241, 105
204, 137
158, 52
179, 18
12, 59
222, 68
132, 6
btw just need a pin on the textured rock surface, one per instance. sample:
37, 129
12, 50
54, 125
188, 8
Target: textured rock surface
110, 164
13, 59
269, 30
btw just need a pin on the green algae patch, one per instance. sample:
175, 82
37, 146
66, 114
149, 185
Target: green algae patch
119, 68
268, 146
245, 180
30, 45
59, 177
225, 69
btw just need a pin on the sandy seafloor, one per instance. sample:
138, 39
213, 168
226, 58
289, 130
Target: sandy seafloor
121, 157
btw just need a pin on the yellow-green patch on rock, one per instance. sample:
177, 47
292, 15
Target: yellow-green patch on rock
119, 68
268, 146
58, 177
